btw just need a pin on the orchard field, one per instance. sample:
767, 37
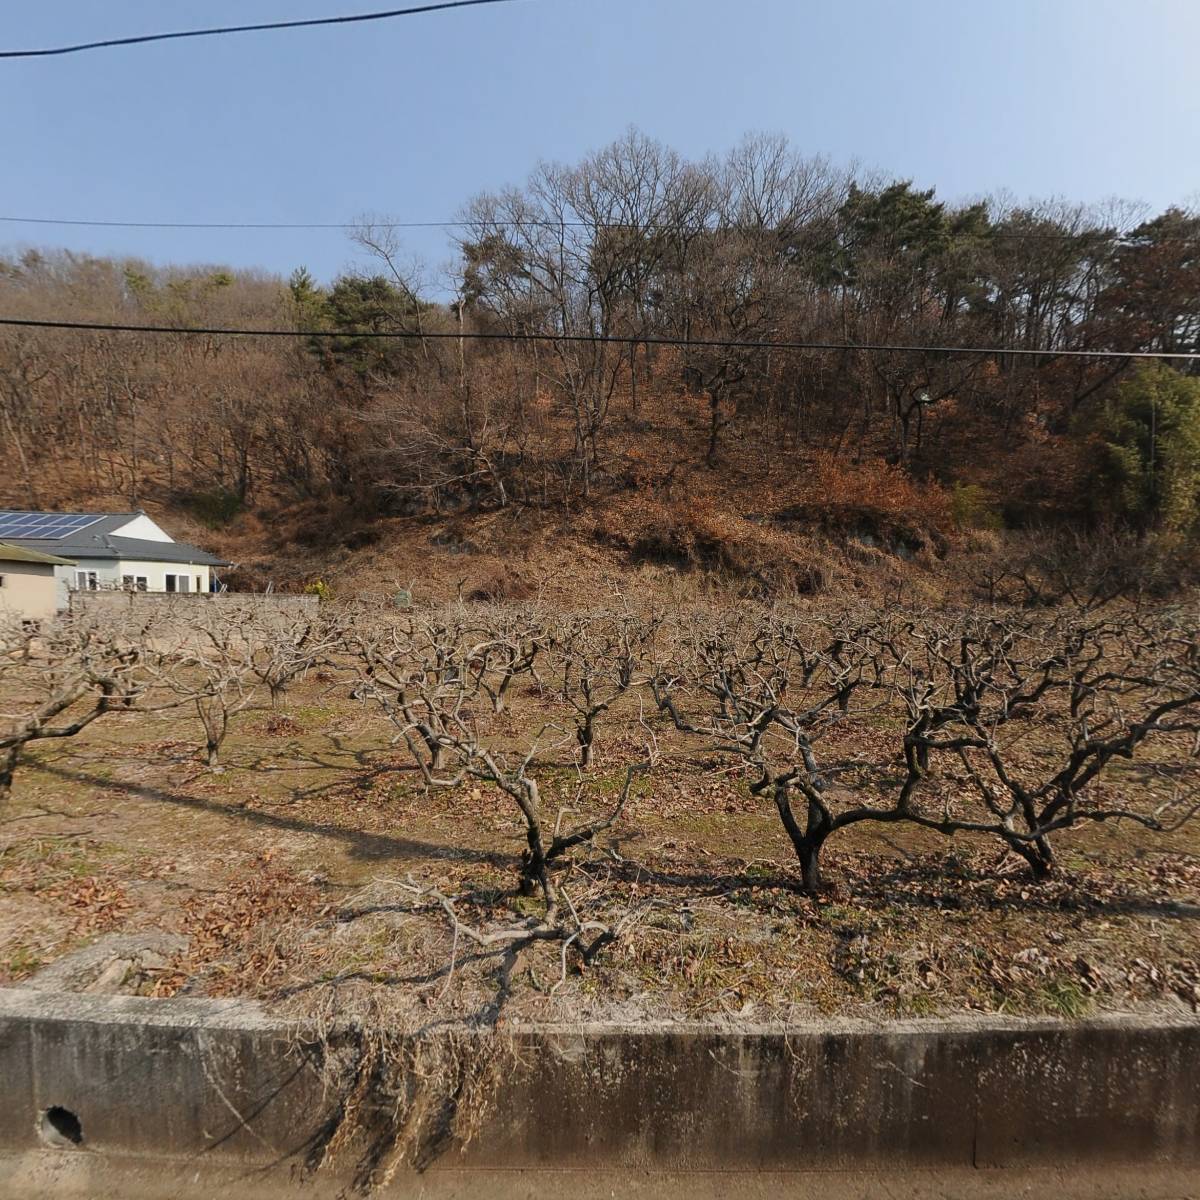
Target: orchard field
503, 812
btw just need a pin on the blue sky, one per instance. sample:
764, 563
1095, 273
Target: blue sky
1081, 98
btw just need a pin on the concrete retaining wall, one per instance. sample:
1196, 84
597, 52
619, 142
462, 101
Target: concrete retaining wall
141, 605
221, 1085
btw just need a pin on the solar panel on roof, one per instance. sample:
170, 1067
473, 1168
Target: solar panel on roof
50, 526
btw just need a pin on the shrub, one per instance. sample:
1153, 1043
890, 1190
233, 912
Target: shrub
872, 501
502, 584
214, 508
971, 507
697, 534
878, 486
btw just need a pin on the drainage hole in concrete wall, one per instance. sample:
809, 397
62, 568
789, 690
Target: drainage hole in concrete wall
60, 1127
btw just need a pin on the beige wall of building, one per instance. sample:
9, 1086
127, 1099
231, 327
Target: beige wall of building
28, 590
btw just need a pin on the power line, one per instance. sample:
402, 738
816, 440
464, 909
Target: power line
234, 224
140, 39
590, 338
1122, 239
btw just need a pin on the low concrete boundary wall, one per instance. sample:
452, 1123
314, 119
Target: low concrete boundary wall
222, 1085
119, 602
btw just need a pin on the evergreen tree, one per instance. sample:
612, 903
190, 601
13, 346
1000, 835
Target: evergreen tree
1147, 468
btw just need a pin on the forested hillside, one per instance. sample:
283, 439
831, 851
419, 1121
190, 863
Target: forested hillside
665, 414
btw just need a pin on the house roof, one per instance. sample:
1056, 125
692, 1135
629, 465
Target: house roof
58, 526
10, 553
90, 535
148, 551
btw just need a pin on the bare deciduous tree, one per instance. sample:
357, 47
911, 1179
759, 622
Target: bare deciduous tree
595, 660
56, 680
284, 648
975, 694
212, 668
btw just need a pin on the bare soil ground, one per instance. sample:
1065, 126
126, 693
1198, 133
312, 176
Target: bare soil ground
94, 1177
290, 873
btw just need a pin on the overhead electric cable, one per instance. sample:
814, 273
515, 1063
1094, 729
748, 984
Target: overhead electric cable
234, 224
512, 223
141, 39
589, 338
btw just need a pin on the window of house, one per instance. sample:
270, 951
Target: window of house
199, 583
134, 583
170, 583
179, 583
86, 581
1, 580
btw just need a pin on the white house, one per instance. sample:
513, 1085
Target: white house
110, 551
